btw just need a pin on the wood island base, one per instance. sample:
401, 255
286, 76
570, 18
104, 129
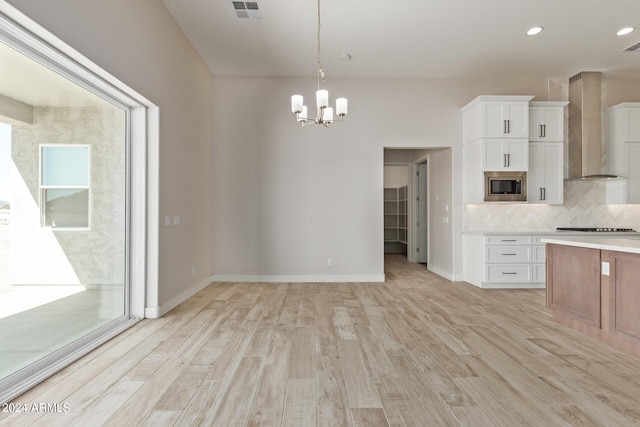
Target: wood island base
596, 292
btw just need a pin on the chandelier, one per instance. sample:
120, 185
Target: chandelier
324, 115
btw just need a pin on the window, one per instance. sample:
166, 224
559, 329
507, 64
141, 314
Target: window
64, 186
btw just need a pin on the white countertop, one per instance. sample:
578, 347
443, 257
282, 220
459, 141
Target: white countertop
552, 233
618, 244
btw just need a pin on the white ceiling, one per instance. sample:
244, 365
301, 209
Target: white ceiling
416, 38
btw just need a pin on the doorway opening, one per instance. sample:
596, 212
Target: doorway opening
426, 237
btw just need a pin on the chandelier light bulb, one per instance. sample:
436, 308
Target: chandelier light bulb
296, 103
327, 114
322, 98
341, 107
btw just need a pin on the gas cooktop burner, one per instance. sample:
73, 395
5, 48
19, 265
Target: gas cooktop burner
597, 229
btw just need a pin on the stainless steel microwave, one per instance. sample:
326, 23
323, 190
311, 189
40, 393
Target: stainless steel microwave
505, 186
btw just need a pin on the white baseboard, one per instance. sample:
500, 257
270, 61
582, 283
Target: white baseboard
378, 278
442, 273
155, 312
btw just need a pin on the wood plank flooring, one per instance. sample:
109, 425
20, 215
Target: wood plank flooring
416, 350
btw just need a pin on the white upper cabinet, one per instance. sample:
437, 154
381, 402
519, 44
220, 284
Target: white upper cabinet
506, 119
492, 116
632, 123
546, 121
545, 182
501, 155
623, 153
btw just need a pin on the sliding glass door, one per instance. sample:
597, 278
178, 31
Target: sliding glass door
64, 213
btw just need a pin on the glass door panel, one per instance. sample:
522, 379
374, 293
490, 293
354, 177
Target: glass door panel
63, 212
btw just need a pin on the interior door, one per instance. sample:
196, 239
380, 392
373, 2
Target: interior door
423, 201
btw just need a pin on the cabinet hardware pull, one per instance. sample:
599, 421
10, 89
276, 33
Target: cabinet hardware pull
508, 160
504, 160
504, 126
540, 197
508, 272
510, 254
544, 131
508, 126
508, 240
544, 193
541, 131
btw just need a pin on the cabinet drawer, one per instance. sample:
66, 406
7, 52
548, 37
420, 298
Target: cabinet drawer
539, 273
508, 254
539, 254
508, 240
502, 273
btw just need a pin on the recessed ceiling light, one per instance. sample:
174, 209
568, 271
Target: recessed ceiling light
625, 31
534, 30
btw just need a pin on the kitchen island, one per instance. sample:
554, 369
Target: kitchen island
593, 286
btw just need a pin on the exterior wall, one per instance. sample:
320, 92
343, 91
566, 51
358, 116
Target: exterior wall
93, 257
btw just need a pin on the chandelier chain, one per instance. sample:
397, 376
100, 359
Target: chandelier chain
320, 68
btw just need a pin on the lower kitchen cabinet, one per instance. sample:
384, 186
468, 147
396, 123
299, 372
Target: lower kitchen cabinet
502, 261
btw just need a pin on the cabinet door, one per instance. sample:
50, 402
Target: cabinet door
546, 124
535, 176
494, 156
506, 119
553, 173
545, 184
632, 173
500, 155
494, 120
517, 116
517, 155
632, 125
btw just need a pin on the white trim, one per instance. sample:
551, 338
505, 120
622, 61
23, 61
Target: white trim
154, 312
298, 278
458, 278
442, 273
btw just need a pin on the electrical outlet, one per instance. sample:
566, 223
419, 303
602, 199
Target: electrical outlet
167, 221
176, 220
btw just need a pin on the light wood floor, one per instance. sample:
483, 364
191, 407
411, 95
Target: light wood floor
417, 350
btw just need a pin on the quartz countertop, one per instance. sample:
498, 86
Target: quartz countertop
618, 244
553, 233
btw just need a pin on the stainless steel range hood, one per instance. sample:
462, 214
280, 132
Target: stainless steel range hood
585, 127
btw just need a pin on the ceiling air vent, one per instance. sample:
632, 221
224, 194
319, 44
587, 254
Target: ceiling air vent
634, 48
247, 9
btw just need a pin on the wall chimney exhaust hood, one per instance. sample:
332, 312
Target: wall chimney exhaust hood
585, 127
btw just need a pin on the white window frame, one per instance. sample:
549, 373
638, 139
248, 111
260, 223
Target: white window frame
44, 187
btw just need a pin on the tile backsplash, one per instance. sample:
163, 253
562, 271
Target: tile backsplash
584, 206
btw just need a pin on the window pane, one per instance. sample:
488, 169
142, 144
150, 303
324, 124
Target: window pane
66, 208
65, 166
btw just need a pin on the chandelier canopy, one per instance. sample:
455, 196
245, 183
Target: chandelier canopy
324, 115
